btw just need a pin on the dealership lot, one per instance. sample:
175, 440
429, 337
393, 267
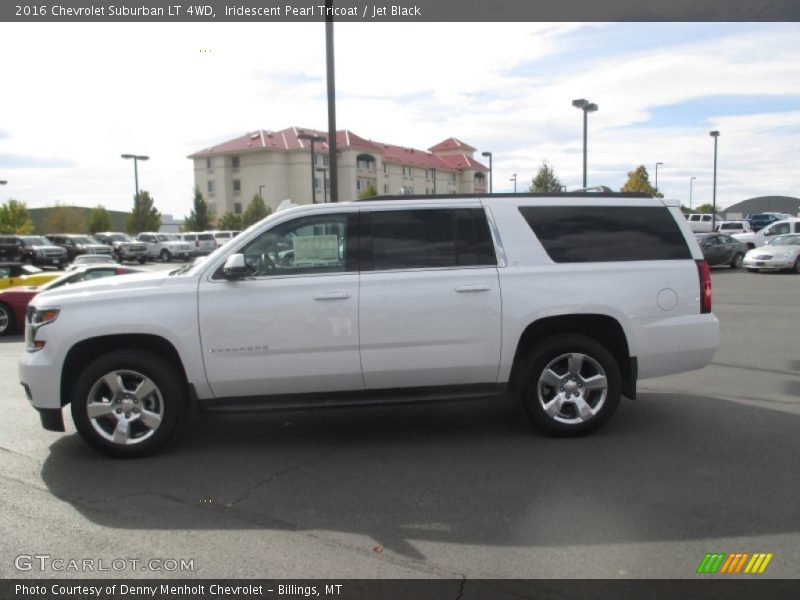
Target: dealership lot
702, 462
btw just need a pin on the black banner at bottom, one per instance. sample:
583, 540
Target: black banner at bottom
399, 589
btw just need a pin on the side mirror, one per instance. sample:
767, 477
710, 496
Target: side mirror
236, 267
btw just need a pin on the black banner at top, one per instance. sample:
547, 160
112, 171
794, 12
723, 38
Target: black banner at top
372, 11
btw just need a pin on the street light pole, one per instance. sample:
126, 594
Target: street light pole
324, 171
715, 135
586, 107
312, 138
657, 165
330, 73
514, 179
691, 181
491, 178
136, 158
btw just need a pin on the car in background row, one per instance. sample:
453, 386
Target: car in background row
76, 244
781, 253
731, 227
760, 220
702, 222
754, 240
720, 249
13, 274
32, 250
202, 242
223, 237
164, 246
123, 246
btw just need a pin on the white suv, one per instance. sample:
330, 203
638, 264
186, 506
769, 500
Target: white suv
564, 300
165, 246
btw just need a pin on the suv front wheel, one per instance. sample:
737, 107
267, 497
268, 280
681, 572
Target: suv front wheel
569, 384
128, 403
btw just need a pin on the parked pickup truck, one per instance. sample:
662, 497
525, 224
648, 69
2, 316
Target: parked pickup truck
563, 301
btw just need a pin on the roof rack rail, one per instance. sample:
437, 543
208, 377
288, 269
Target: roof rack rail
599, 191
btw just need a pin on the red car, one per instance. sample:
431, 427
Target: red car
14, 301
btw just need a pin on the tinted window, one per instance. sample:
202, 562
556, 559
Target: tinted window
598, 233
426, 238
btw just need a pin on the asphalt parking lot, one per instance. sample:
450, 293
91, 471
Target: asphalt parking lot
707, 461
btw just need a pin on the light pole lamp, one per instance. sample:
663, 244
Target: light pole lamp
489, 156
586, 107
312, 139
324, 171
658, 164
715, 135
136, 158
691, 181
514, 179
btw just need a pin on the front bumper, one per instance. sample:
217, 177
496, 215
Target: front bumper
767, 263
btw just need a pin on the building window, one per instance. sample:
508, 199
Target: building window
235, 163
408, 172
430, 174
385, 168
317, 183
212, 187
237, 186
386, 188
237, 208
209, 163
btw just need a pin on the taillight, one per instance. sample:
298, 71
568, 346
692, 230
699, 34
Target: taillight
705, 286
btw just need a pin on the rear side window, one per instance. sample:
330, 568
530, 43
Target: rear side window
572, 234
205, 237
426, 238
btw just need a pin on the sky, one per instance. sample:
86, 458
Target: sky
77, 95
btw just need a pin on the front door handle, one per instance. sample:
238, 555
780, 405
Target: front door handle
463, 289
331, 296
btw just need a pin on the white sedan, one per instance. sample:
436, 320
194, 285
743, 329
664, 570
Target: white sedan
781, 253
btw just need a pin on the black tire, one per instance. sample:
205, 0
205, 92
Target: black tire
753, 270
8, 323
796, 267
165, 256
142, 260
553, 355
28, 260
167, 400
736, 263
62, 265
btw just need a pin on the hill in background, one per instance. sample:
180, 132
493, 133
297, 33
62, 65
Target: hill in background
38, 215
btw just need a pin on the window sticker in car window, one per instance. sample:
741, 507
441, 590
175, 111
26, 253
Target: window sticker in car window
316, 250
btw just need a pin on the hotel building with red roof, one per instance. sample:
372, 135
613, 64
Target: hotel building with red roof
277, 165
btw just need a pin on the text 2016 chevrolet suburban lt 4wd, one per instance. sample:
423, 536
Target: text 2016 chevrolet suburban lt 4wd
565, 300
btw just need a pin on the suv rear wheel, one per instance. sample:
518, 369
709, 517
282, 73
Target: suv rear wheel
7, 324
128, 403
570, 384
165, 255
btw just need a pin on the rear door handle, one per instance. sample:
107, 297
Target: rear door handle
464, 289
331, 296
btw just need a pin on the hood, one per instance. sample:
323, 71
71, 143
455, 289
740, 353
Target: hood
116, 284
50, 248
774, 250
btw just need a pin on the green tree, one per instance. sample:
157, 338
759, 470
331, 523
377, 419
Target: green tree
200, 217
255, 211
705, 208
14, 218
639, 181
230, 222
98, 219
546, 180
63, 219
368, 192
144, 216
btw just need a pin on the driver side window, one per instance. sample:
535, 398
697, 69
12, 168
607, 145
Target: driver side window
308, 245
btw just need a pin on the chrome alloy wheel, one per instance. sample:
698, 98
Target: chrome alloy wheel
572, 388
125, 407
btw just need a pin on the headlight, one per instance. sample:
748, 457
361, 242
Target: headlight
37, 318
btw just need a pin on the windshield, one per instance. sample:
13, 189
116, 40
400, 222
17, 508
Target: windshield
786, 240
161, 237
34, 240
82, 239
